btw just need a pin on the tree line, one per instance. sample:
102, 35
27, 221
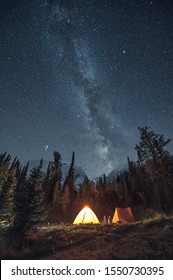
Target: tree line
29, 198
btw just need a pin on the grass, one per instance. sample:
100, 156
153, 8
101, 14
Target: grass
55, 228
151, 238
159, 219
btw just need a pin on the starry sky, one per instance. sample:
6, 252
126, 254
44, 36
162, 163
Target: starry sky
82, 76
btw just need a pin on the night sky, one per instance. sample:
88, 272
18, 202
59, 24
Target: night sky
81, 76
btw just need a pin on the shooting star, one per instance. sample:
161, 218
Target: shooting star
47, 146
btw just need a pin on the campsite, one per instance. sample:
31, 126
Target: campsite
86, 122
130, 216
151, 239
88, 239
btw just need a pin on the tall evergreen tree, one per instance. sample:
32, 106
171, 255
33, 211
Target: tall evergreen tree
88, 193
66, 204
28, 206
38, 207
151, 146
53, 179
4, 179
6, 198
70, 179
53, 188
69, 184
158, 165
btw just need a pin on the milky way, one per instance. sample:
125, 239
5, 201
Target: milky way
82, 76
77, 63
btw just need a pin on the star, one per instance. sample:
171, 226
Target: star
84, 77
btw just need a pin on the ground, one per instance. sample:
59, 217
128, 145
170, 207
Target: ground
141, 240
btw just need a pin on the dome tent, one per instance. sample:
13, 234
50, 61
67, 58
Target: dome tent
123, 215
86, 216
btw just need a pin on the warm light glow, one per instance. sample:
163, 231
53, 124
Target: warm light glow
123, 215
86, 216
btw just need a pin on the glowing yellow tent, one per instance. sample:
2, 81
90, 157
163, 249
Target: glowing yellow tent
123, 215
86, 216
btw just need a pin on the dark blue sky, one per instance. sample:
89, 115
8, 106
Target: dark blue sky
83, 75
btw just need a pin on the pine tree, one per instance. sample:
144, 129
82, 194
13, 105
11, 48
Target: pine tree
158, 165
4, 166
11, 175
106, 198
88, 193
47, 186
28, 207
4, 178
53, 178
53, 188
151, 146
69, 186
6, 198
38, 207
66, 204
70, 179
